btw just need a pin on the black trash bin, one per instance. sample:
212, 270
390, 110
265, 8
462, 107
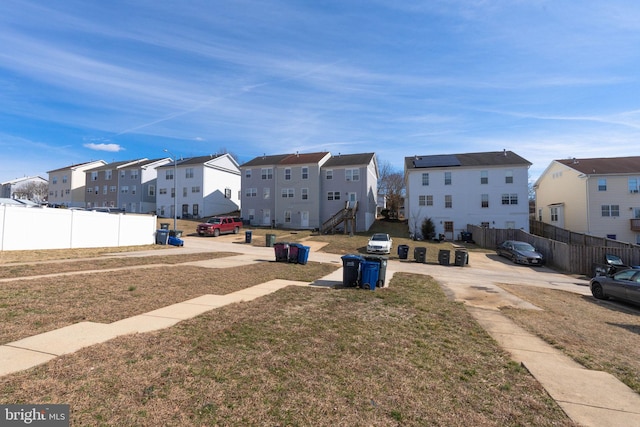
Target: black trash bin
462, 257
248, 235
351, 270
403, 251
382, 270
420, 254
465, 236
164, 225
443, 256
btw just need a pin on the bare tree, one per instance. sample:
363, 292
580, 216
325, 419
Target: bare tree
34, 191
391, 187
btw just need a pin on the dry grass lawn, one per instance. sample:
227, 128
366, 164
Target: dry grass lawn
600, 335
405, 355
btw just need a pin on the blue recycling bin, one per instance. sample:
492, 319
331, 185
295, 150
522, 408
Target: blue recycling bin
351, 270
162, 237
369, 272
303, 254
175, 241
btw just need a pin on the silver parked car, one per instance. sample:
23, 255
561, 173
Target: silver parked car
623, 285
520, 252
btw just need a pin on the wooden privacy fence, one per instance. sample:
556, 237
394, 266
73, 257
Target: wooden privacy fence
575, 258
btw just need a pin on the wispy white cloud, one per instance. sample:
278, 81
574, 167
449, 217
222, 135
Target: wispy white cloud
112, 148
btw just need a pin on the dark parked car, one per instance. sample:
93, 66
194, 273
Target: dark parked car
623, 285
520, 252
612, 265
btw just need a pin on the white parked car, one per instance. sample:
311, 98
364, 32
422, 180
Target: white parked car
380, 243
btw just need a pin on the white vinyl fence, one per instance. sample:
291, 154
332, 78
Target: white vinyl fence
47, 228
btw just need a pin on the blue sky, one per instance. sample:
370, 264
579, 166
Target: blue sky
116, 80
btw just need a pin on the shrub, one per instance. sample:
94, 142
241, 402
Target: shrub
428, 229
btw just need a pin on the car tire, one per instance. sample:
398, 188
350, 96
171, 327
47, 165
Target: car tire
236, 230
216, 232
597, 291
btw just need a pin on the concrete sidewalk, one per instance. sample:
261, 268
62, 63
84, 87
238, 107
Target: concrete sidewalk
590, 398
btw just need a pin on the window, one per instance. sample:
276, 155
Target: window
94, 176
610, 210
425, 179
305, 172
133, 189
251, 192
188, 173
108, 174
247, 173
510, 199
508, 177
448, 226
352, 174
64, 179
105, 189
287, 174
196, 189
54, 180
168, 174
602, 184
163, 191
124, 189
96, 189
287, 192
304, 193
266, 193
227, 193
123, 173
554, 214
267, 173
484, 177
425, 200
333, 195
484, 200
134, 174
633, 185
287, 216
89, 190
447, 178
112, 189
184, 191
252, 214
67, 191
448, 201
173, 192
328, 174
152, 190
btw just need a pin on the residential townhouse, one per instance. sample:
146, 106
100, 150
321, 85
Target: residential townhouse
137, 182
488, 189
351, 178
205, 186
102, 184
67, 185
303, 190
594, 196
283, 190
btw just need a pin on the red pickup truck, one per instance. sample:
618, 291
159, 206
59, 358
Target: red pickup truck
219, 225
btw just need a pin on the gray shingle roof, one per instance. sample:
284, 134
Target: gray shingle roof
349, 160
489, 158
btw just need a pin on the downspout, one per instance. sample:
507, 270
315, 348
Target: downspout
586, 188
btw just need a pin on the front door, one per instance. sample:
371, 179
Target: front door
304, 219
266, 217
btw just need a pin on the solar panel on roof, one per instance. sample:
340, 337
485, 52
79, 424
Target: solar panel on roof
437, 161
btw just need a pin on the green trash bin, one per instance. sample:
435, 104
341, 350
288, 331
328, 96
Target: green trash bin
270, 240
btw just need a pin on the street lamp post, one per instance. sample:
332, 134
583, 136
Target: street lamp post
175, 189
